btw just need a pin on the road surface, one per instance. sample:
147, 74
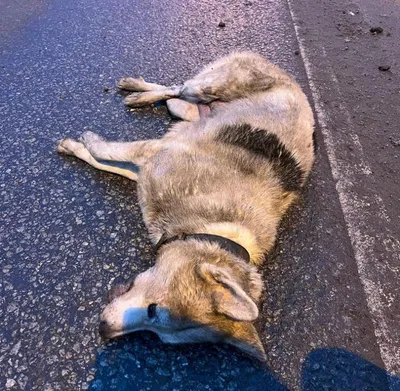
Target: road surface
331, 313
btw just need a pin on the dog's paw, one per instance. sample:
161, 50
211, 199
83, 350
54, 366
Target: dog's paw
132, 84
68, 146
137, 99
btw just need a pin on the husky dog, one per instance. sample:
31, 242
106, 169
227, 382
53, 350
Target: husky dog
212, 192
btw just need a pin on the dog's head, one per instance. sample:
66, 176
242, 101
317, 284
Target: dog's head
196, 292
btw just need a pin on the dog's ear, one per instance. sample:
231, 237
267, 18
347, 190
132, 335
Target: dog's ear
246, 339
227, 295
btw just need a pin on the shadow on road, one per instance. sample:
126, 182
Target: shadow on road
142, 362
130, 364
338, 369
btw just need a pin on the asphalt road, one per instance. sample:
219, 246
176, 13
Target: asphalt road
331, 310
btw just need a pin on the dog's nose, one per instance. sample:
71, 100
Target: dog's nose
103, 328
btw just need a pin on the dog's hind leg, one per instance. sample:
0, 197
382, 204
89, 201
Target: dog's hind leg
184, 110
76, 148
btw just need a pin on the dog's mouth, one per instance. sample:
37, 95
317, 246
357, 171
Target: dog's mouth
107, 333
162, 333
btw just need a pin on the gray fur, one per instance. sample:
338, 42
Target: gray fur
204, 176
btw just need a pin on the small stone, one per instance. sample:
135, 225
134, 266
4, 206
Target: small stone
396, 143
85, 340
316, 367
96, 385
15, 349
376, 30
297, 52
151, 361
384, 68
163, 372
10, 383
221, 24
183, 360
77, 348
22, 380
106, 89
176, 377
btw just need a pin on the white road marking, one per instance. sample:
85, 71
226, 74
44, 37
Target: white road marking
345, 175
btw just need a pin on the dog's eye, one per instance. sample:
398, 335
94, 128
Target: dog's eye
151, 310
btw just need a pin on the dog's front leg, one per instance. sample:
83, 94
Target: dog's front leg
76, 148
117, 157
140, 99
145, 93
136, 152
138, 85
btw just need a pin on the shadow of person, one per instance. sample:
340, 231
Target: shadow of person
140, 361
338, 369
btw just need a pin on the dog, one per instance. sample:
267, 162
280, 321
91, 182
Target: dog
212, 192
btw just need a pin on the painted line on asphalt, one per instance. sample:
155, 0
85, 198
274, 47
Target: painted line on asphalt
353, 208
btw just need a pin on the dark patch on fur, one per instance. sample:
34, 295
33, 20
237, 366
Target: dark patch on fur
314, 139
265, 144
